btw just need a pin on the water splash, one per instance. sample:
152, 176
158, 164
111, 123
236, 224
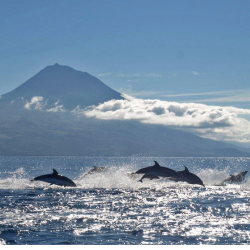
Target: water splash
116, 177
2, 242
213, 176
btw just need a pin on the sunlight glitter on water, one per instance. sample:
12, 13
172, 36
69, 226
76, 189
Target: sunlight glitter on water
112, 208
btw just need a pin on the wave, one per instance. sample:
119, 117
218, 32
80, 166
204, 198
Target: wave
2, 242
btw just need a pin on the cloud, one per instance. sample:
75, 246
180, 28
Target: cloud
145, 93
203, 93
129, 80
229, 96
129, 75
137, 75
243, 97
153, 74
57, 108
240, 95
195, 73
130, 91
105, 74
215, 122
37, 102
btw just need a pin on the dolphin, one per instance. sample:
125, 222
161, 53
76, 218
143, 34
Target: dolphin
56, 179
188, 177
157, 170
147, 176
96, 170
237, 178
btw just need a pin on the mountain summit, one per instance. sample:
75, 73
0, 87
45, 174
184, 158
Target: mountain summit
66, 85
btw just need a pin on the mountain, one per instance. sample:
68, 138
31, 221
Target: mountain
37, 132
64, 84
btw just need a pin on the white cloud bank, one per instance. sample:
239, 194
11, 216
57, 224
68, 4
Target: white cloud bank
215, 122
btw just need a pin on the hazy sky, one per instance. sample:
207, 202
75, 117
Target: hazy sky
169, 50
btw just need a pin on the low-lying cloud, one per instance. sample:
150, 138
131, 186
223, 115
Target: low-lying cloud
214, 122
56, 108
39, 103
36, 102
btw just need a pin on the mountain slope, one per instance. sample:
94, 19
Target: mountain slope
38, 132
33, 132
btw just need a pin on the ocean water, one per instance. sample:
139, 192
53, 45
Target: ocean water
113, 208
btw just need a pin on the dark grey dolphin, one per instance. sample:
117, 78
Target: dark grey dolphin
237, 178
148, 176
56, 179
96, 170
188, 177
157, 170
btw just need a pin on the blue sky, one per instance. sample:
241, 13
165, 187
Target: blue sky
170, 50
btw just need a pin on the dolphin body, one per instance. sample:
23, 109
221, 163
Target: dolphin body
56, 179
96, 170
237, 178
157, 170
186, 176
150, 177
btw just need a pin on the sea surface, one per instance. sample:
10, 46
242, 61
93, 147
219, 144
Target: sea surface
114, 208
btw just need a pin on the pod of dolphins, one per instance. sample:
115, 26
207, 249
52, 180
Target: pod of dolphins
152, 172
156, 171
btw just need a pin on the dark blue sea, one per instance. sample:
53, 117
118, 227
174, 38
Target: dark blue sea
113, 208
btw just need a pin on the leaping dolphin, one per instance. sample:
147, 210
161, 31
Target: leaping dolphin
96, 170
157, 170
148, 176
237, 178
188, 177
56, 179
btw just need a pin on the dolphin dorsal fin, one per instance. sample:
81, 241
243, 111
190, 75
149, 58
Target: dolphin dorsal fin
55, 172
95, 167
231, 175
156, 164
186, 169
